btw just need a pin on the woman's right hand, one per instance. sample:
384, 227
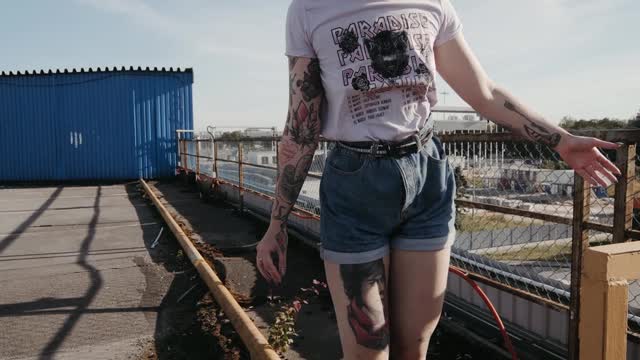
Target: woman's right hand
274, 241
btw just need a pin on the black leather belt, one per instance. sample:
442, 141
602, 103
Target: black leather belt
382, 148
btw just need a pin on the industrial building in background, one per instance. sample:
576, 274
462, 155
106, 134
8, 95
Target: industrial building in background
92, 124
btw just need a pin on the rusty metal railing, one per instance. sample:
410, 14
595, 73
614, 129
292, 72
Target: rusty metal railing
524, 219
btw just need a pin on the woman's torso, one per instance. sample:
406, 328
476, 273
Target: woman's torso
377, 64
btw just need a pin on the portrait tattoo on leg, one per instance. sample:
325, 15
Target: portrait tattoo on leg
364, 285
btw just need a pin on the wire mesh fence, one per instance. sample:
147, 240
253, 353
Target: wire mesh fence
515, 205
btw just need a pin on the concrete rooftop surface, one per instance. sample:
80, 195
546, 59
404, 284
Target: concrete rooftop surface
76, 277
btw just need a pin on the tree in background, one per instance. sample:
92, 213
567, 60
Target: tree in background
231, 135
570, 123
635, 123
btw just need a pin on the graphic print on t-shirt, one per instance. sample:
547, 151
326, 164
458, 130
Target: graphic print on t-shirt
390, 53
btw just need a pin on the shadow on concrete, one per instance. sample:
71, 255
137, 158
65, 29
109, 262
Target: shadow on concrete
96, 283
15, 234
178, 333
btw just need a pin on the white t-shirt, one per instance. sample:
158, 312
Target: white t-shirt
376, 61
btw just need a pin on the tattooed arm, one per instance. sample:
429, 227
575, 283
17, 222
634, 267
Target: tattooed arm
459, 67
298, 144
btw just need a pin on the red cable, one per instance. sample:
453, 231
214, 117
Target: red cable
492, 309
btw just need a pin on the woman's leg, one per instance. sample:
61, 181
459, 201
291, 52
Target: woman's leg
359, 294
418, 280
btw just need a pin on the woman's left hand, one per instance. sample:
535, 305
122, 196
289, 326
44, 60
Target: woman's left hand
582, 154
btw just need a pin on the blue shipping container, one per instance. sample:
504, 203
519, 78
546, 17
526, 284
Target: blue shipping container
92, 125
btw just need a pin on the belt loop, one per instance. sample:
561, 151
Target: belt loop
418, 141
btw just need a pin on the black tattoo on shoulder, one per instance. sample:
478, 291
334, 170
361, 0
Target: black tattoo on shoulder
534, 130
357, 280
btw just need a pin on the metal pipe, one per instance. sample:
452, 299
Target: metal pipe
249, 333
493, 270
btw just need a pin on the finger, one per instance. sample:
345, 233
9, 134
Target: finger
271, 269
282, 262
586, 177
262, 270
604, 144
608, 164
599, 180
600, 169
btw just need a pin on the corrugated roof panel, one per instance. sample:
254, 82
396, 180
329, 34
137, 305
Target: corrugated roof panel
92, 124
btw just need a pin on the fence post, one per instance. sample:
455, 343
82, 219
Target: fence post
605, 290
277, 159
215, 159
181, 150
580, 242
197, 158
623, 204
240, 177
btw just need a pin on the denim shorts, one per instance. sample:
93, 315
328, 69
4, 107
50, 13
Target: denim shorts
373, 204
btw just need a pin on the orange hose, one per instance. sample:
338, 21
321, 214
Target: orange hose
492, 309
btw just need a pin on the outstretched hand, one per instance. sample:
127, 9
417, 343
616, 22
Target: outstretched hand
582, 155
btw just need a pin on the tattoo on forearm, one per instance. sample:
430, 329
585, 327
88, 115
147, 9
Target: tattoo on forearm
293, 178
300, 137
281, 238
304, 125
534, 130
365, 311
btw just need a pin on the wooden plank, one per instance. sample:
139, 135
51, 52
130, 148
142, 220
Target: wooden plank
615, 320
580, 242
603, 320
625, 266
592, 317
623, 203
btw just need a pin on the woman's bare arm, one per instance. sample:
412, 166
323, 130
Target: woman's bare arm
297, 147
460, 68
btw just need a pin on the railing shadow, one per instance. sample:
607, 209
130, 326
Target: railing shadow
15, 234
82, 303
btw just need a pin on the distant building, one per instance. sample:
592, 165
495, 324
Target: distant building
266, 158
531, 179
260, 132
452, 119
465, 120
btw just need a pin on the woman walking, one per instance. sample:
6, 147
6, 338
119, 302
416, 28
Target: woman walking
361, 73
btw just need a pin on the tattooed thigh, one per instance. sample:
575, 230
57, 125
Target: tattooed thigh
364, 285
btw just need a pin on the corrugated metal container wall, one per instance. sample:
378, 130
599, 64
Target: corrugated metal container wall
92, 125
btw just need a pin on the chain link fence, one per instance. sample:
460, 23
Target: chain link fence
515, 205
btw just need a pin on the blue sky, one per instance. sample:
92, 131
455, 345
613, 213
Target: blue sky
563, 57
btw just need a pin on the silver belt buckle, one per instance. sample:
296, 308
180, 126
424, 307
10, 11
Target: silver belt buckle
373, 150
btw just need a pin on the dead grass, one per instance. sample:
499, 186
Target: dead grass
490, 221
553, 252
